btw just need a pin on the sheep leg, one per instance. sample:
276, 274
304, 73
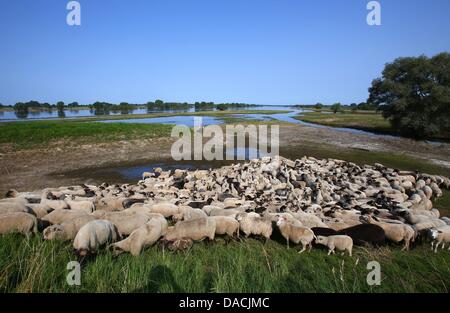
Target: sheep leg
432, 244
350, 251
287, 241
436, 247
304, 248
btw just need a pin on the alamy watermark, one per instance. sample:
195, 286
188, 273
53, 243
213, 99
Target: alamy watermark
73, 278
73, 18
374, 16
219, 146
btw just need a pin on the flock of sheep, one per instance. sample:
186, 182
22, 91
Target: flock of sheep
306, 201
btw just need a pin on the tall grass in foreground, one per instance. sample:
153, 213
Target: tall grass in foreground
32, 265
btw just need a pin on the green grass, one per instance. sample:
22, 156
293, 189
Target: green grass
30, 134
32, 265
363, 121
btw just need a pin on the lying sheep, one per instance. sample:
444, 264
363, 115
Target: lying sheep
226, 225
13, 206
339, 242
254, 224
20, 222
60, 216
67, 230
93, 235
296, 234
143, 237
195, 229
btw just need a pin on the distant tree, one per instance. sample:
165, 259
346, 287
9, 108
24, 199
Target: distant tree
353, 107
73, 104
337, 107
60, 105
318, 106
222, 107
414, 94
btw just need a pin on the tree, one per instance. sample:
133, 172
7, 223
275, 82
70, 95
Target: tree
222, 107
318, 106
414, 94
337, 107
60, 106
353, 107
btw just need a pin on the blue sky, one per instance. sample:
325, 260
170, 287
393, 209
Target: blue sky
254, 51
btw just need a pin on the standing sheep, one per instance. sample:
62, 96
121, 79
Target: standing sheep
226, 225
254, 224
195, 229
296, 234
339, 242
439, 236
20, 222
395, 232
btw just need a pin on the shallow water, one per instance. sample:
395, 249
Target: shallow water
53, 114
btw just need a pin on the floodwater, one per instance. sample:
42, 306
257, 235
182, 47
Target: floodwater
54, 114
130, 173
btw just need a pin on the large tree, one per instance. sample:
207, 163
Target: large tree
414, 94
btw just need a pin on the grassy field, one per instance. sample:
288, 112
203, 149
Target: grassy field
363, 121
30, 134
32, 265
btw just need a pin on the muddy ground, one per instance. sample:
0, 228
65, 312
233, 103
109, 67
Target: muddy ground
68, 163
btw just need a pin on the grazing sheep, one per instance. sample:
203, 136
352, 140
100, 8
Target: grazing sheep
60, 216
165, 208
20, 222
93, 235
187, 213
195, 229
365, 233
439, 236
85, 206
226, 225
339, 242
110, 203
296, 234
126, 222
254, 224
143, 237
67, 230
14, 205
395, 232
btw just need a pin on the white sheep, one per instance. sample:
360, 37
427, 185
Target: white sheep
143, 237
67, 230
60, 216
93, 235
195, 229
440, 236
226, 225
20, 222
253, 224
336, 242
296, 234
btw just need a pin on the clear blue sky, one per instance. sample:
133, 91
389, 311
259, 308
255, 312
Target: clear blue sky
254, 51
